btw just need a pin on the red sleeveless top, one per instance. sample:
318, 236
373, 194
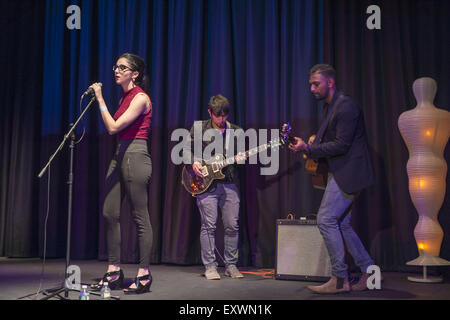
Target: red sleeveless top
139, 128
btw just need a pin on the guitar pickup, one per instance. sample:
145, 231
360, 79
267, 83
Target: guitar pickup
215, 167
204, 171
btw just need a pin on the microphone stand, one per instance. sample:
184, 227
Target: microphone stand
69, 135
66, 136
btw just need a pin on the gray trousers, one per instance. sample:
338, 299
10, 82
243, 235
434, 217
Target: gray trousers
333, 220
128, 174
226, 197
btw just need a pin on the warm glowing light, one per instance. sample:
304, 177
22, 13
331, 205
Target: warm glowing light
428, 133
421, 246
422, 183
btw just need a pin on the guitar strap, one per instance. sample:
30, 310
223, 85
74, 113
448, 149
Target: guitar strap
330, 114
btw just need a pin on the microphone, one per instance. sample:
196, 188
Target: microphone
90, 90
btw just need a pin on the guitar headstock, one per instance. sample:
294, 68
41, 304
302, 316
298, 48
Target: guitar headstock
285, 133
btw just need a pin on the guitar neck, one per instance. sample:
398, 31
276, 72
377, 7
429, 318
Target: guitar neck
248, 153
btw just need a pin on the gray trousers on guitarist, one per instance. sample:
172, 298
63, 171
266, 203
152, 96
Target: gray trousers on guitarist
225, 196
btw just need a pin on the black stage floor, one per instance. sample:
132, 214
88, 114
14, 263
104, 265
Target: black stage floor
20, 279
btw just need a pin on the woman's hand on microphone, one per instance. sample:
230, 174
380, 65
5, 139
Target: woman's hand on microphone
98, 92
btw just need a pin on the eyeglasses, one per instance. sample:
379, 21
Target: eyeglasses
121, 67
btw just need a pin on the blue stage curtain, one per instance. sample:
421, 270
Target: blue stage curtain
256, 53
22, 28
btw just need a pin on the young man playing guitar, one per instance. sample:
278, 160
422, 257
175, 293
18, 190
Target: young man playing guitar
341, 141
222, 193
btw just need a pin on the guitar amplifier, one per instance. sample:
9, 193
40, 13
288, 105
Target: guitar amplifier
301, 253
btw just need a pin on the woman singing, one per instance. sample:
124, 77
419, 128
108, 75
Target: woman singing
129, 171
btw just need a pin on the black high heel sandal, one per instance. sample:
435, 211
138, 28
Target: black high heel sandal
112, 284
140, 288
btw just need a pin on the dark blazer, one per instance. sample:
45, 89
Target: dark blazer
344, 145
230, 172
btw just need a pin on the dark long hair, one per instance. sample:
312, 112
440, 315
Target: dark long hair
138, 64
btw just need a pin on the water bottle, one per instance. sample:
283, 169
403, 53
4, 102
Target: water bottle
105, 293
84, 294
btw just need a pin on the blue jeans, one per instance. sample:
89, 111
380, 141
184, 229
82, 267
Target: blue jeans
226, 197
333, 220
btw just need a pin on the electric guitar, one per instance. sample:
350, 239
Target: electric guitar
212, 169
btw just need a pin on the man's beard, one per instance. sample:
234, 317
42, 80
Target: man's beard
320, 97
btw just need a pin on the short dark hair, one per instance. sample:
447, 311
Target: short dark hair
219, 105
324, 69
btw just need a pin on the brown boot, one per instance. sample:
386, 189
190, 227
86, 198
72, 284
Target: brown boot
334, 285
361, 285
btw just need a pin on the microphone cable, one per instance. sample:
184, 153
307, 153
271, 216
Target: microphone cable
84, 124
45, 233
45, 240
47, 216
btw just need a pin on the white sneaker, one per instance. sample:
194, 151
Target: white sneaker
233, 272
212, 274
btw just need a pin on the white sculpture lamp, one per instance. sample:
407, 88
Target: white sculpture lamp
426, 130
